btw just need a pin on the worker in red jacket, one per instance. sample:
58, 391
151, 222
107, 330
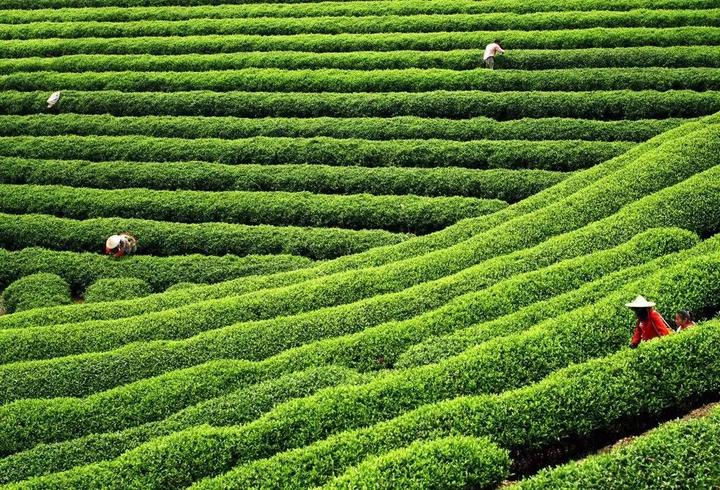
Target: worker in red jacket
650, 323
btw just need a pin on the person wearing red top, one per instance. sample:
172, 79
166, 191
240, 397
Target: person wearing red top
650, 323
683, 320
121, 245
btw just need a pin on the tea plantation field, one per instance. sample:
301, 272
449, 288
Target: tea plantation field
365, 261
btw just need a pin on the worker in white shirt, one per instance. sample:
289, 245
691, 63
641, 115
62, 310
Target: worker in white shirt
491, 50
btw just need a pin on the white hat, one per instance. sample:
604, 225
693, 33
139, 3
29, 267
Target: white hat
640, 302
113, 241
54, 99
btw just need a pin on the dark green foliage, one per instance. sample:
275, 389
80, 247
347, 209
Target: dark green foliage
394, 128
349, 81
447, 463
116, 289
602, 105
82, 269
435, 41
680, 454
35, 291
165, 239
548, 155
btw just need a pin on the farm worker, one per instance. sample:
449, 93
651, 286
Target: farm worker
650, 323
53, 99
491, 50
120, 245
683, 320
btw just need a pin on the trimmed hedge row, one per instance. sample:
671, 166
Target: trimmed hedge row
392, 128
674, 205
237, 407
678, 454
449, 463
116, 289
179, 459
71, 418
61, 456
82, 269
545, 205
543, 155
506, 4
36, 291
341, 8
394, 213
603, 105
161, 238
433, 41
647, 56
569, 404
438, 348
268, 26
408, 80
504, 184
260, 340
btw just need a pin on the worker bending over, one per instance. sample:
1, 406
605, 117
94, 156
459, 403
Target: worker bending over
491, 50
121, 245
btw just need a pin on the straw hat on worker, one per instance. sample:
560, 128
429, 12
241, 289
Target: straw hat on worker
640, 302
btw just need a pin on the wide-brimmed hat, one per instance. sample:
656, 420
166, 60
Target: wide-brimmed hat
640, 302
113, 241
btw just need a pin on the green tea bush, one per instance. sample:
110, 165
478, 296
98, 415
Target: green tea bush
546, 206
395, 213
165, 239
599, 37
451, 462
237, 407
365, 25
116, 289
82, 269
35, 291
548, 155
264, 339
505, 184
677, 454
349, 81
605, 105
393, 128
317, 9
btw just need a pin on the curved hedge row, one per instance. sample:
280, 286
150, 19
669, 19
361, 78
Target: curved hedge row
116, 289
82, 269
604, 105
543, 155
368, 128
394, 213
536, 59
345, 350
504, 184
268, 26
570, 403
184, 456
161, 238
260, 340
438, 348
506, 4
434, 41
677, 454
409, 80
542, 207
237, 407
337, 8
36, 291
32, 462
450, 463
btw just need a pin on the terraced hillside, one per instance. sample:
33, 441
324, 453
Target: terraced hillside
365, 261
